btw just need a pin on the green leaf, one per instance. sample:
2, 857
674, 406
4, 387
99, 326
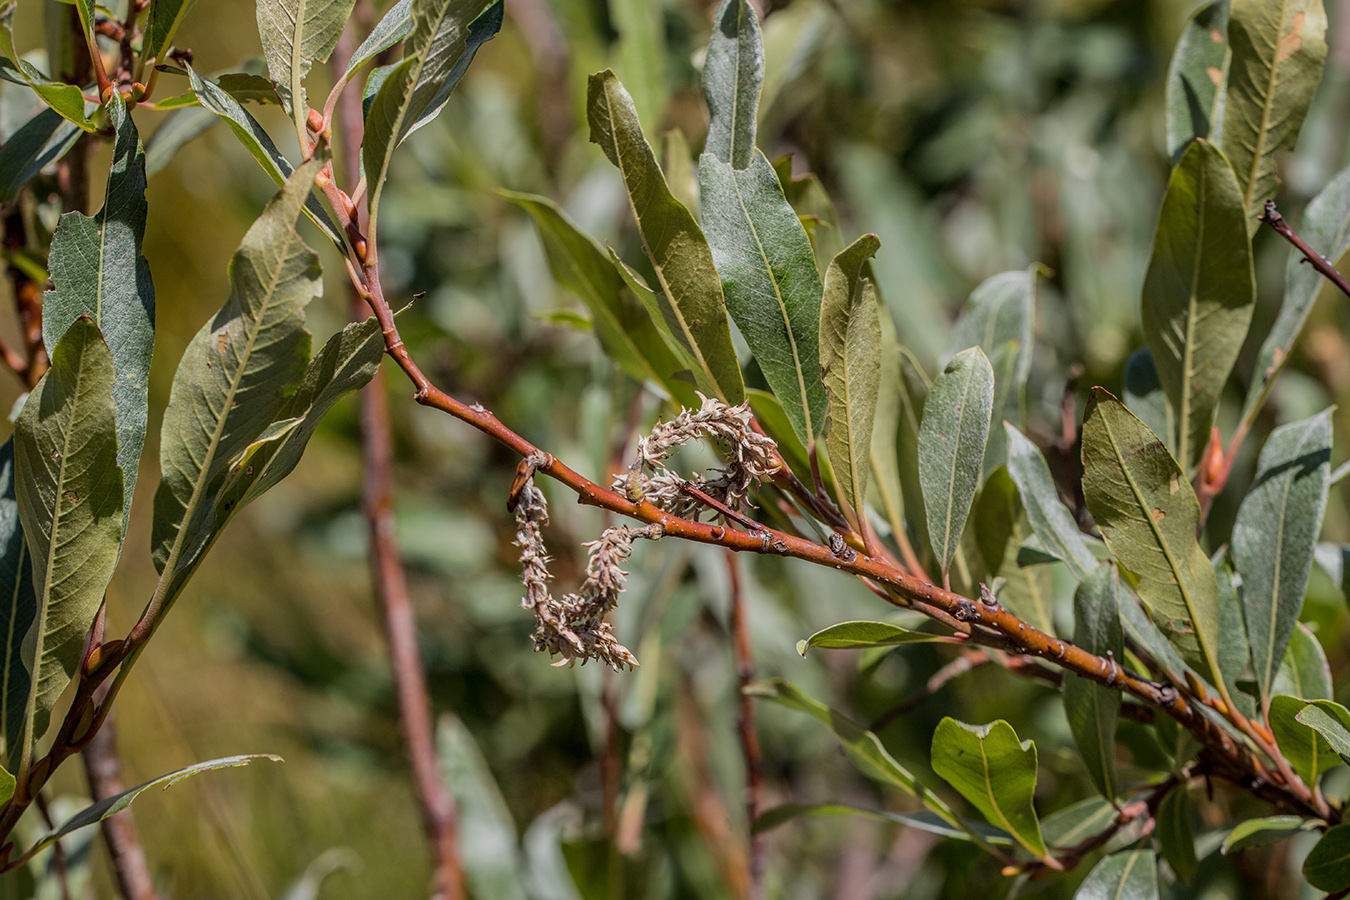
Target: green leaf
733, 72
113, 805
446, 34
692, 303
69, 491
38, 143
17, 609
236, 378
1275, 534
161, 23
1265, 830
643, 57
1199, 292
1332, 721
1050, 519
886, 482
951, 446
1001, 527
1176, 837
295, 34
1092, 708
488, 842
396, 25
1077, 822
98, 270
621, 321
67, 100
1148, 514
177, 129
995, 771
1326, 229
850, 363
1307, 750
1278, 50
1328, 865
1304, 672
1234, 650
1195, 78
924, 821
855, 635
1127, 875
1147, 635
260, 147
1145, 397
914, 387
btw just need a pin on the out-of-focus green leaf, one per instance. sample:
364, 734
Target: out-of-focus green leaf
69, 491
1278, 51
161, 23
1265, 830
295, 34
677, 161
38, 143
816, 210
1142, 630
1307, 750
1148, 514
993, 770
642, 55
1077, 822
445, 36
98, 270
693, 308
1332, 721
396, 25
1145, 397
1328, 865
178, 128
1195, 78
951, 447
924, 821
1176, 836
1092, 709
856, 635
850, 363
913, 397
1303, 672
488, 841
1234, 651
236, 377
1000, 526
1326, 229
1127, 875
17, 609
1199, 292
1275, 534
620, 320
1050, 519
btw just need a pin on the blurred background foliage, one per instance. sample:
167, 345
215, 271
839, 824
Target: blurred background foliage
973, 136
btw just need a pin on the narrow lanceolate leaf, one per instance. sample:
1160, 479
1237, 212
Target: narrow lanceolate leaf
37, 143
1148, 513
951, 446
445, 36
762, 252
924, 821
857, 635
1050, 518
18, 605
1195, 78
1266, 830
1000, 529
1275, 535
161, 23
236, 378
692, 305
1303, 672
621, 321
295, 34
255, 139
993, 770
1326, 229
1234, 650
98, 270
1278, 50
1332, 721
888, 493
1199, 292
1327, 867
488, 841
1305, 748
1127, 875
850, 363
1092, 709
1176, 834
70, 502
394, 27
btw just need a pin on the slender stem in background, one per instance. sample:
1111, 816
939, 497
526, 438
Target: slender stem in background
745, 724
439, 814
104, 771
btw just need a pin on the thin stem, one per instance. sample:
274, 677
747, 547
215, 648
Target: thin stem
1319, 262
745, 725
968, 660
104, 771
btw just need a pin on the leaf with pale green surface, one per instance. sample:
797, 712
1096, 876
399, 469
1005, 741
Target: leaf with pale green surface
1303, 672
98, 270
445, 36
236, 378
1199, 292
295, 34
951, 446
1278, 49
1328, 865
69, 491
38, 143
993, 770
1234, 651
1176, 835
1145, 397
850, 363
914, 387
1195, 78
1000, 527
1143, 632
856, 635
1265, 830
161, 23
643, 56
1305, 748
17, 609
692, 303
888, 494
1127, 875
1092, 709
1332, 721
1050, 518
1275, 534
1148, 514
396, 25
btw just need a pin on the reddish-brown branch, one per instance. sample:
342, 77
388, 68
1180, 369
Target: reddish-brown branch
1319, 262
745, 723
104, 771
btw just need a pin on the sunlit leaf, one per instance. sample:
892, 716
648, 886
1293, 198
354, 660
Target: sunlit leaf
1304, 672
1127, 875
1332, 721
393, 27
1195, 78
993, 770
1145, 397
161, 23
1092, 708
296, 34
1305, 748
855, 635
1265, 830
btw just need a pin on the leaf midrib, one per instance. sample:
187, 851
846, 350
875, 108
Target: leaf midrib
1267, 105
947, 549
1269, 674
1192, 314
